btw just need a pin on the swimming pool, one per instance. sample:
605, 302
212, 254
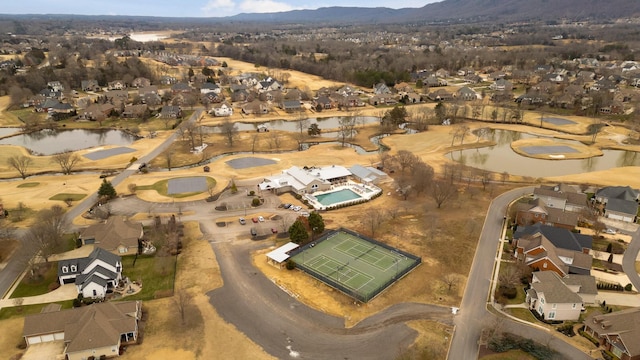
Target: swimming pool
336, 197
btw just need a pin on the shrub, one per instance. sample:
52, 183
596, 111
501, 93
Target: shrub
255, 202
628, 287
252, 193
509, 292
589, 337
290, 265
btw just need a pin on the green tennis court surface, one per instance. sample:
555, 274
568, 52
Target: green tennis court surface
354, 264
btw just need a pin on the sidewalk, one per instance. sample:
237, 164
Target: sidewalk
63, 293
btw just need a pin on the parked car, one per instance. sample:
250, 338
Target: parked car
274, 230
610, 231
286, 206
254, 232
242, 221
260, 218
255, 220
304, 213
297, 208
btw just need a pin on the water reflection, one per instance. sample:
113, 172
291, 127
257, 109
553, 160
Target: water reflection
283, 125
501, 158
47, 142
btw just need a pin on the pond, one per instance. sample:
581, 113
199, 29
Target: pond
8, 131
48, 142
501, 158
283, 125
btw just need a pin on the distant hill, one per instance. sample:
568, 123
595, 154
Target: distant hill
460, 11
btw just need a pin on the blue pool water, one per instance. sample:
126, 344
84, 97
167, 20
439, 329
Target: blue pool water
337, 197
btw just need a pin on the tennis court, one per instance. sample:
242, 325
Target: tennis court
354, 264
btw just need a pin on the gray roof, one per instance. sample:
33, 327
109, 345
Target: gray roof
587, 283
622, 206
555, 291
559, 237
114, 232
88, 327
618, 192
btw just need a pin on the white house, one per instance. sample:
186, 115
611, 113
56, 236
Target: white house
552, 299
93, 275
306, 180
223, 109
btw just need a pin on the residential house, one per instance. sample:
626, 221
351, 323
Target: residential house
442, 73
208, 87
295, 94
501, 85
472, 78
403, 87
96, 112
323, 102
496, 75
561, 196
55, 86
134, 111
170, 111
255, 107
440, 95
552, 299
140, 82
536, 211
290, 105
168, 80
181, 88
116, 85
268, 84
222, 109
381, 99
117, 97
90, 85
52, 94
466, 93
620, 202
617, 332
413, 98
381, 88
93, 275
115, 235
262, 128
94, 331
544, 247
305, 180
211, 98
350, 101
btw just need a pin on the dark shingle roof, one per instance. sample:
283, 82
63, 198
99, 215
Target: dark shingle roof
559, 237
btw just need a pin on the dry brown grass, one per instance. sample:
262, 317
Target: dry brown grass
204, 332
11, 330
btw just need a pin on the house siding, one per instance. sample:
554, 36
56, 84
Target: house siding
550, 266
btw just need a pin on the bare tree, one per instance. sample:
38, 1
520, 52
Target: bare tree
405, 159
443, 191
229, 131
421, 177
132, 188
275, 139
254, 141
21, 163
67, 161
450, 281
182, 301
168, 156
372, 219
346, 129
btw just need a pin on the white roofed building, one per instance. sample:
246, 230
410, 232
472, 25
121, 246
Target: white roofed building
306, 180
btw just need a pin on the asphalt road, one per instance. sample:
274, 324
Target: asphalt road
473, 315
629, 259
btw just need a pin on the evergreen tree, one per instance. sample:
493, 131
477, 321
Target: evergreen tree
107, 190
298, 233
316, 223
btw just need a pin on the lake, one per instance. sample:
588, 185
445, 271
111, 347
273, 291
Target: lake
49, 142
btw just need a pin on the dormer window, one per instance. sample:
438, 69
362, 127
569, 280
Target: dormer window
65, 269
74, 268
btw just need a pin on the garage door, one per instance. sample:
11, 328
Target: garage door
69, 281
34, 340
47, 338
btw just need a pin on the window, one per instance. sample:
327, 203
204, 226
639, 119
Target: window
573, 306
552, 315
65, 269
544, 265
555, 305
542, 301
74, 268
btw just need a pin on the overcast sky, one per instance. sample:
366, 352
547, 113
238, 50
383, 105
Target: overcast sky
186, 8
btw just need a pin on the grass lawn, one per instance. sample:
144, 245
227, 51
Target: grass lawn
601, 244
638, 267
509, 355
11, 312
161, 188
40, 285
523, 314
157, 274
29, 185
66, 196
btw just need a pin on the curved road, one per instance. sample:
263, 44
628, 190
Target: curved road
629, 259
473, 315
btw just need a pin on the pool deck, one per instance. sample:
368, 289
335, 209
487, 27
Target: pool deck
366, 192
